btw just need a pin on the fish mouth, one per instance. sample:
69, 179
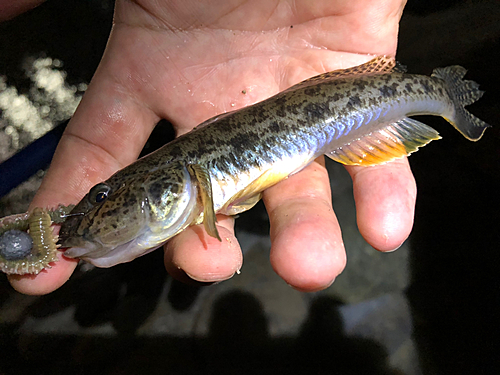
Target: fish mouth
105, 257
79, 247
84, 249
81, 243
68, 232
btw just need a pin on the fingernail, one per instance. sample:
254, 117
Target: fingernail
312, 290
393, 250
209, 278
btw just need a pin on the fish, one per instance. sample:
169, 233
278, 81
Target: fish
355, 116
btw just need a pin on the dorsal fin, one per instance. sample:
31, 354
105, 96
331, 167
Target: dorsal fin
399, 68
377, 65
391, 142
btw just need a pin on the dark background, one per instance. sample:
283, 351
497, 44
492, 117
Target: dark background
454, 291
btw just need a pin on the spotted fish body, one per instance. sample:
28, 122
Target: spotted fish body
355, 116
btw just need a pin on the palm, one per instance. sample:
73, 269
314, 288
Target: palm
195, 59
201, 59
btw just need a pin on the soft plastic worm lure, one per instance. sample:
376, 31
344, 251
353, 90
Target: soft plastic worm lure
27, 241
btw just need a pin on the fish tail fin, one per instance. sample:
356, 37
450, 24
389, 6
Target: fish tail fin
462, 93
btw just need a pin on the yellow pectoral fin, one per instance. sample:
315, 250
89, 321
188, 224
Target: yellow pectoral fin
205, 191
391, 142
250, 195
243, 206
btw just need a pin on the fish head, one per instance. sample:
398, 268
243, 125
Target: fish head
130, 215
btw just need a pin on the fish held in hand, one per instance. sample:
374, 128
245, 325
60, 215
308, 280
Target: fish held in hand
356, 116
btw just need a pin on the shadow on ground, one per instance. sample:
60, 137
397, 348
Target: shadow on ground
238, 340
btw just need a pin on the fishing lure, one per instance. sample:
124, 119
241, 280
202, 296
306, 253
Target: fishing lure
27, 241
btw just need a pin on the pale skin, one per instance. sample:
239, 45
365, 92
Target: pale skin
187, 61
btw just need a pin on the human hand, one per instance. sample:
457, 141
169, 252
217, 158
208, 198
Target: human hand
189, 60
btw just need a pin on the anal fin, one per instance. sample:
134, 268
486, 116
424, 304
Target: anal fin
393, 141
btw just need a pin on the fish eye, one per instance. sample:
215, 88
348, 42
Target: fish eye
99, 193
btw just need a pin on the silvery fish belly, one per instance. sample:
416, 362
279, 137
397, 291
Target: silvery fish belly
356, 116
